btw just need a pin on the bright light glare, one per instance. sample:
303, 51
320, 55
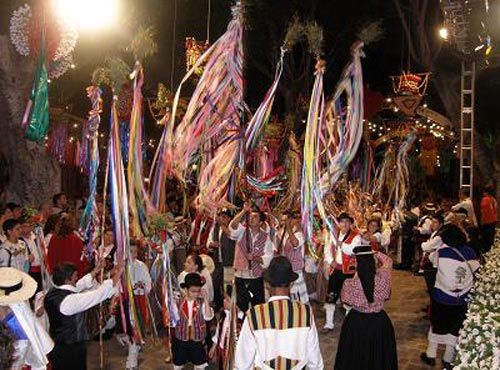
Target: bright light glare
88, 14
443, 33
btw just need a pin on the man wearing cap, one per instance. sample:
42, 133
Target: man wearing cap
339, 258
32, 342
66, 304
280, 334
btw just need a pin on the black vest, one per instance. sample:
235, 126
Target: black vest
227, 246
63, 329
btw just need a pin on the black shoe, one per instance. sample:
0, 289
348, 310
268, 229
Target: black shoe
447, 365
428, 360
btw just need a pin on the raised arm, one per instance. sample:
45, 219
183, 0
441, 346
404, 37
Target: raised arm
239, 217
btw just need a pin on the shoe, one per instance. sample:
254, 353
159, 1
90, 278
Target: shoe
418, 273
447, 365
428, 360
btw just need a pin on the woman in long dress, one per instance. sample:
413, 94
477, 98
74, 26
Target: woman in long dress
367, 340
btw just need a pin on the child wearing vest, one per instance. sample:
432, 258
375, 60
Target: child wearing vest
190, 331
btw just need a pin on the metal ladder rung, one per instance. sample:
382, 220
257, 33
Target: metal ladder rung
467, 92
466, 167
468, 147
467, 110
466, 129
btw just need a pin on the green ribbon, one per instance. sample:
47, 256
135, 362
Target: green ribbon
38, 125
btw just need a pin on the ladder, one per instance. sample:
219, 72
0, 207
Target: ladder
467, 125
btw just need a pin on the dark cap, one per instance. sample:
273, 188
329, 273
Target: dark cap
280, 272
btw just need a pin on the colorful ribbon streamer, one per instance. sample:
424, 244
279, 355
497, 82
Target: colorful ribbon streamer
332, 139
215, 106
138, 197
89, 222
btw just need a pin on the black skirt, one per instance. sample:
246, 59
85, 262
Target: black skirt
447, 319
367, 342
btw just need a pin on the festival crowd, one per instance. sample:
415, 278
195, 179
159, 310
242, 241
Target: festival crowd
238, 289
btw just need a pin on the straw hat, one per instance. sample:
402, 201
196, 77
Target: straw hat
15, 286
208, 262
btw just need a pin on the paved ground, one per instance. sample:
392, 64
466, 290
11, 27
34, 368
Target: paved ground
404, 308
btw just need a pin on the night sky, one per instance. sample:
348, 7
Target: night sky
266, 25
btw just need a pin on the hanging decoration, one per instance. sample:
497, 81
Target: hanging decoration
213, 111
30, 29
36, 115
89, 222
57, 140
194, 50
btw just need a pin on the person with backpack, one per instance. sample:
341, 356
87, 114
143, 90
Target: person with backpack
456, 264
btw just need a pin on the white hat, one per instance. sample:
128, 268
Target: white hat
15, 286
208, 262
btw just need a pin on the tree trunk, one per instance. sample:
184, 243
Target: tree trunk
34, 175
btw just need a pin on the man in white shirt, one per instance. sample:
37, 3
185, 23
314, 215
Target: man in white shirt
280, 334
254, 250
66, 304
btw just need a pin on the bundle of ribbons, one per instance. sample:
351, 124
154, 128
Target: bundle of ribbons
89, 222
213, 114
332, 139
